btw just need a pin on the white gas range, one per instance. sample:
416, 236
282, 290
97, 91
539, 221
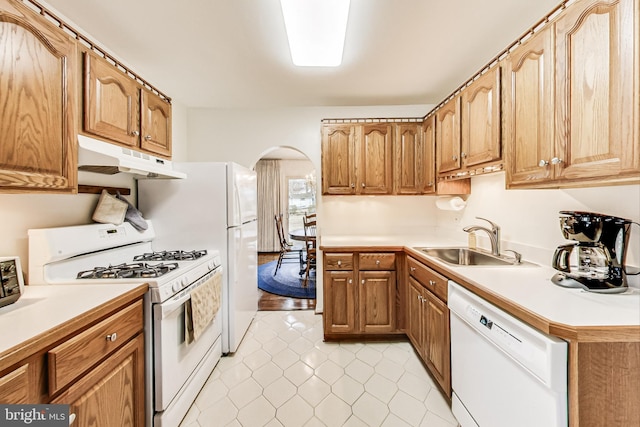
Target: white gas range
104, 253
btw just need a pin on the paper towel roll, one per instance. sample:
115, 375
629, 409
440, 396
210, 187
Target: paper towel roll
450, 203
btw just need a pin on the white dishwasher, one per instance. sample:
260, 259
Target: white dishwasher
504, 373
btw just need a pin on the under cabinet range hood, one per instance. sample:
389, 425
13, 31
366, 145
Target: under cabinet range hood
102, 157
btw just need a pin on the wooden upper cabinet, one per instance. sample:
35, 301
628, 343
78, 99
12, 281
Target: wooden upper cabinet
480, 120
428, 166
120, 110
448, 136
338, 159
411, 157
374, 151
111, 102
38, 72
528, 110
597, 105
155, 124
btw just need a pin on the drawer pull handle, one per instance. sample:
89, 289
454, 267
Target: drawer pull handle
432, 282
112, 337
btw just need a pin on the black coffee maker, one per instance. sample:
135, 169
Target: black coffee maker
596, 261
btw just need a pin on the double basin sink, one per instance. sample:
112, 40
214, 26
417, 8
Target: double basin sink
471, 257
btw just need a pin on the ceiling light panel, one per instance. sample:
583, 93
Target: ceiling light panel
316, 31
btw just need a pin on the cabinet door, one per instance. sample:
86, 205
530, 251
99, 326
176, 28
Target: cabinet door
410, 157
338, 159
437, 340
113, 392
595, 98
110, 102
37, 103
14, 386
415, 309
377, 301
528, 107
375, 151
155, 124
428, 166
339, 302
481, 120
448, 136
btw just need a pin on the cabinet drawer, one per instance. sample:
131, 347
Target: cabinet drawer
377, 261
431, 280
339, 261
14, 386
70, 359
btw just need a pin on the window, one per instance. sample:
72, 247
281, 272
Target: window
301, 200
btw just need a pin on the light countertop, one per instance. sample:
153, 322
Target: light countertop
528, 288
43, 308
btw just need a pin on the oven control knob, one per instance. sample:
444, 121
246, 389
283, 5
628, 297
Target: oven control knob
185, 282
176, 287
212, 265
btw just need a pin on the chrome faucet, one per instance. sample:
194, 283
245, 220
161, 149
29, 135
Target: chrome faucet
494, 234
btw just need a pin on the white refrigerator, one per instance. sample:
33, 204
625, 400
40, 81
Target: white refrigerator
215, 207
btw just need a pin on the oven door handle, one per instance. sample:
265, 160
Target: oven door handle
170, 306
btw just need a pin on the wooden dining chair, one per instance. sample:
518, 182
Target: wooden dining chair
310, 244
287, 250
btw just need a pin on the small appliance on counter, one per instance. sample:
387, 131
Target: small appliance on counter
596, 261
11, 281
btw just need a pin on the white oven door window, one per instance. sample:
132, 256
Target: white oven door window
174, 359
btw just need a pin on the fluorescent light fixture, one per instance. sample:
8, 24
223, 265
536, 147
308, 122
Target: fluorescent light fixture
316, 31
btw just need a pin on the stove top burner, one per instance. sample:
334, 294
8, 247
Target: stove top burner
170, 256
127, 271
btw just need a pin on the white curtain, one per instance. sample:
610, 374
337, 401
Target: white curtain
269, 204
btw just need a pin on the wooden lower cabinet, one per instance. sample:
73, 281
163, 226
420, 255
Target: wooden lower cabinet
98, 370
339, 302
360, 294
428, 321
113, 391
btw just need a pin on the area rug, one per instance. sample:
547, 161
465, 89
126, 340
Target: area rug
287, 282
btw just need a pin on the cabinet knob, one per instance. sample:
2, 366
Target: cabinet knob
363, 185
339, 263
543, 163
112, 337
463, 155
419, 297
72, 418
350, 281
432, 282
412, 269
363, 281
430, 184
377, 262
135, 133
148, 137
556, 161
353, 185
454, 157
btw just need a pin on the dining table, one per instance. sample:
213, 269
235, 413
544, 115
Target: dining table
299, 235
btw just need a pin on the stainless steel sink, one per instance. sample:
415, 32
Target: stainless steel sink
466, 256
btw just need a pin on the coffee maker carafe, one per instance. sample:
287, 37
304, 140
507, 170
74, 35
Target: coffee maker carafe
595, 262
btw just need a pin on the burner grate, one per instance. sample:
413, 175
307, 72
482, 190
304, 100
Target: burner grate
128, 271
170, 256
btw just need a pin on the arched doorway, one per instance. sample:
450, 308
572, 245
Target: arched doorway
287, 187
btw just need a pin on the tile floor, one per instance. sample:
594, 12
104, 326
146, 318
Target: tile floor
284, 374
